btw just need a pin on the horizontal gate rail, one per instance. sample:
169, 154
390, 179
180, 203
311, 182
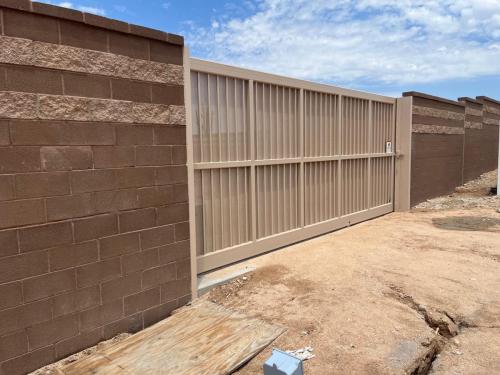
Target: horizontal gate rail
275, 160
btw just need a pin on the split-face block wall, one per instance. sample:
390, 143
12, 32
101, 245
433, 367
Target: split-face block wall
94, 234
452, 142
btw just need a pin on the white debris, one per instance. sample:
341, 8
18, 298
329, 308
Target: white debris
303, 354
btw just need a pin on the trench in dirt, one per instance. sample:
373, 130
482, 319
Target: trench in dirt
445, 324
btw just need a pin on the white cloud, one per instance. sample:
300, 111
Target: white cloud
353, 41
83, 8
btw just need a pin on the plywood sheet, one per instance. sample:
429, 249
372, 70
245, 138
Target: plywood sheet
204, 338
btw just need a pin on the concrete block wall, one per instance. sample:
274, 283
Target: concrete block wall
437, 146
94, 234
452, 142
481, 136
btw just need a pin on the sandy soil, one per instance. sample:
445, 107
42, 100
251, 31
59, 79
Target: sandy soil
408, 293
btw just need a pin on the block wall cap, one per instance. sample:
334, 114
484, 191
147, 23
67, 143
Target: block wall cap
92, 19
431, 97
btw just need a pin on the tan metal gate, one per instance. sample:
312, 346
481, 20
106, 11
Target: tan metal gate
277, 160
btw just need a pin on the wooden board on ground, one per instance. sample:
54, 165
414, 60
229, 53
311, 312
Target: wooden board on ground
204, 338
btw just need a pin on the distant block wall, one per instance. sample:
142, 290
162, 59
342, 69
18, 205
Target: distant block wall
481, 136
94, 234
452, 143
437, 146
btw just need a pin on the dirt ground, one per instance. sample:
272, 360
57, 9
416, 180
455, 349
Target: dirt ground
408, 293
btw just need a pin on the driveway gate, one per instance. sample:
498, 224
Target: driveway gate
277, 160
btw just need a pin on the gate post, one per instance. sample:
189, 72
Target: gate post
403, 154
190, 173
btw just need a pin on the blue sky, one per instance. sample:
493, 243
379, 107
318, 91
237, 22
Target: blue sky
448, 48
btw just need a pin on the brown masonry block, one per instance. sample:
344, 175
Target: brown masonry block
74, 344
113, 157
30, 26
166, 53
119, 245
68, 256
101, 315
134, 135
153, 155
106, 23
18, 267
168, 94
180, 193
34, 185
158, 275
128, 45
58, 12
12, 295
95, 227
170, 135
45, 236
135, 177
140, 261
121, 287
48, 333
19, 159
155, 196
13, 345
49, 285
181, 301
138, 219
116, 200
23, 212
24, 316
174, 213
131, 90
182, 231
93, 180
96, 273
156, 237
141, 301
70, 206
130, 324
147, 32
6, 188
75, 301
54, 133
29, 362
5, 133
8, 243
183, 268
86, 85
155, 314
173, 289
30, 79
66, 158
83, 36
3, 83
17, 4
174, 252
179, 155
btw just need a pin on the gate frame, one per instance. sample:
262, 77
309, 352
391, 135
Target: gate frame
400, 175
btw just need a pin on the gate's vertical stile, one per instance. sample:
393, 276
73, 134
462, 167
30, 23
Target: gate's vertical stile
339, 152
190, 172
301, 156
393, 164
370, 150
253, 186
